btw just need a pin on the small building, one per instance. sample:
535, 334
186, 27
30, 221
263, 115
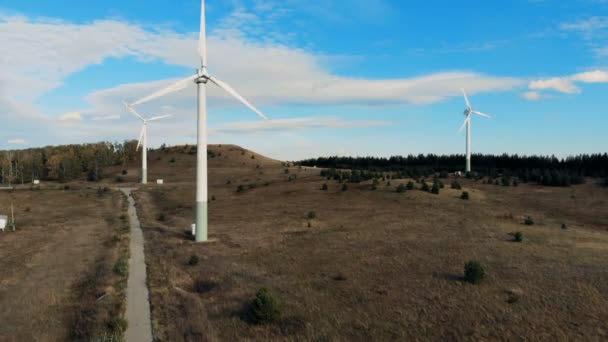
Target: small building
3, 222
160, 182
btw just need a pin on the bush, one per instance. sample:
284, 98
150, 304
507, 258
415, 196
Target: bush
264, 308
435, 188
344, 187
564, 226
518, 237
401, 188
311, 215
529, 221
119, 179
117, 324
410, 185
456, 185
473, 272
124, 172
161, 217
465, 195
252, 156
172, 160
286, 171
193, 260
425, 187
324, 187
388, 183
121, 267
240, 188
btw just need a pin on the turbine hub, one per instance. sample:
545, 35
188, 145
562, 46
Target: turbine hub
203, 76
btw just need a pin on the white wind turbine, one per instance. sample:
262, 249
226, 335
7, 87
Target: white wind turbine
467, 122
201, 78
143, 141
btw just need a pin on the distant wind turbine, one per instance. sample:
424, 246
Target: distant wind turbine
143, 140
467, 122
201, 78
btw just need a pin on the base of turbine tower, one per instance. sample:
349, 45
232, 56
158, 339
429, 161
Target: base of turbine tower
201, 222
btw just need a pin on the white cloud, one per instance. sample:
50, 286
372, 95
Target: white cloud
562, 85
17, 141
106, 117
532, 95
565, 84
294, 124
71, 116
596, 76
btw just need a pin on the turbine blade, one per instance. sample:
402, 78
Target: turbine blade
466, 99
464, 124
202, 43
179, 85
236, 95
132, 111
480, 113
160, 117
141, 137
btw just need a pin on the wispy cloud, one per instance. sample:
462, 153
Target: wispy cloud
294, 124
566, 85
17, 141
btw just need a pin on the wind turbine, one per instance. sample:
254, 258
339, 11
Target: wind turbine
201, 78
467, 122
143, 140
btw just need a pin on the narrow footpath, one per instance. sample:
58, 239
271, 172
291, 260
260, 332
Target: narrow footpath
139, 327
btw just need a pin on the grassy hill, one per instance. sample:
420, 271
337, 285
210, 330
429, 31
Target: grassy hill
369, 264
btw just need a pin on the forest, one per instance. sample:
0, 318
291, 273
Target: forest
64, 163
546, 170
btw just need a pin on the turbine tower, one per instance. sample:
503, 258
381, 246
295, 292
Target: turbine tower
467, 122
201, 78
143, 141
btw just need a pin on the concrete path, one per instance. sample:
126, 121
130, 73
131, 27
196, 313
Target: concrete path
139, 327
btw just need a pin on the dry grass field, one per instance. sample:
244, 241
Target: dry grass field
57, 265
371, 264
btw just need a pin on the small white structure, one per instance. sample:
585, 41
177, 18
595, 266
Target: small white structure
3, 222
160, 182
193, 229
36, 182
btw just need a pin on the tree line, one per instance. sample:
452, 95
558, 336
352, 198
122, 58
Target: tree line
546, 170
64, 163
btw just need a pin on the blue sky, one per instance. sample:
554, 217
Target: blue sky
358, 77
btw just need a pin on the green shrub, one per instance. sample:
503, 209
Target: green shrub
172, 160
388, 183
194, 259
161, 217
286, 171
117, 325
324, 187
240, 188
425, 187
311, 215
344, 187
121, 267
473, 272
465, 195
518, 237
529, 221
252, 156
456, 185
564, 226
410, 185
119, 179
435, 188
264, 308
401, 188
